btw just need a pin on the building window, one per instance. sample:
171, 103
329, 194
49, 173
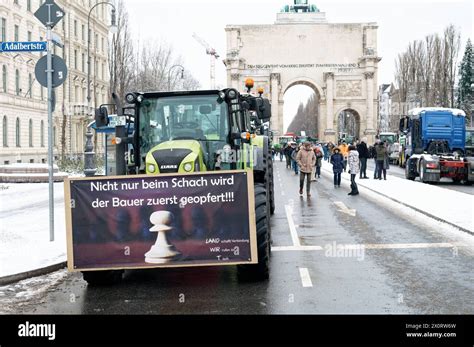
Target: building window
83, 32
17, 132
75, 28
42, 133
4, 78
5, 131
83, 62
30, 132
17, 82
15, 2
29, 35
42, 93
75, 58
28, 5
76, 93
4, 30
102, 44
16, 33
30, 84
103, 71
54, 136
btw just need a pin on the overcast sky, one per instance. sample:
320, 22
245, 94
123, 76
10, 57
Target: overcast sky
400, 21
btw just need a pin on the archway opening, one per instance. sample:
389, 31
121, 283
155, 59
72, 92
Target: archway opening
301, 110
348, 126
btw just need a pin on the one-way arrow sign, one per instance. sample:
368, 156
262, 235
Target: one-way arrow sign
49, 13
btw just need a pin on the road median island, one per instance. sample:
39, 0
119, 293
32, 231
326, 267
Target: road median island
448, 206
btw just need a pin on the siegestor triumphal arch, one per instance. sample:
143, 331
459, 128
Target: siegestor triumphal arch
337, 60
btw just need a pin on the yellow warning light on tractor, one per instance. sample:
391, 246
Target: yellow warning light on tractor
260, 90
249, 83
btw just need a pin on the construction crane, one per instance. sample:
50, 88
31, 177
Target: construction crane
213, 57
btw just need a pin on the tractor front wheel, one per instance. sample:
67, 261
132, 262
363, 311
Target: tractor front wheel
260, 271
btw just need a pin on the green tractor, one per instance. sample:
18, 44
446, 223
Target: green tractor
196, 131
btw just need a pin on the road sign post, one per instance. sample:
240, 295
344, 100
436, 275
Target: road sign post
50, 14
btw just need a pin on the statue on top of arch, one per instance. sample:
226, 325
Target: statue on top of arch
300, 6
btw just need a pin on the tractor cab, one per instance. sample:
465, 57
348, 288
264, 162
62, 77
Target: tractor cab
189, 131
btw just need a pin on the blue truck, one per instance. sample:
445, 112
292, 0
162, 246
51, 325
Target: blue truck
435, 145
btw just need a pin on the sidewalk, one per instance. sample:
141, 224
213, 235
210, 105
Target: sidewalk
452, 207
25, 249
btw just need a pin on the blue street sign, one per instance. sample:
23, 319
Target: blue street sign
30, 46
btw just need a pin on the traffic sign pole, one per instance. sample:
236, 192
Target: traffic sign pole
49, 13
49, 73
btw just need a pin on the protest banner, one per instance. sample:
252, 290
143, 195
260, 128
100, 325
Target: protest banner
170, 220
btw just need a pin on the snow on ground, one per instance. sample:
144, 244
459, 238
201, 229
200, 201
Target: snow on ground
24, 227
18, 294
452, 206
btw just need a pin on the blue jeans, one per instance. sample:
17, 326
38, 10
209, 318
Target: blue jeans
294, 165
337, 178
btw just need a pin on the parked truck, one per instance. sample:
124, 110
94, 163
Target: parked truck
435, 146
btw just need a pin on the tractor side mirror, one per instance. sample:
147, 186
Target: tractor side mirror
101, 117
264, 109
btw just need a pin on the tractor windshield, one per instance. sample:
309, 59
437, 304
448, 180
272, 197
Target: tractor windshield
184, 117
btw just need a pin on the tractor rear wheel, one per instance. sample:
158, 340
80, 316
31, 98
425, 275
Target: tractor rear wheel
259, 271
102, 278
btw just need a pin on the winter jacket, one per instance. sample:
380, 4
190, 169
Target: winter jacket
306, 160
381, 152
337, 161
363, 150
354, 162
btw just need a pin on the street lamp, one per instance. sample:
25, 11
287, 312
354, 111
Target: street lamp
169, 74
113, 29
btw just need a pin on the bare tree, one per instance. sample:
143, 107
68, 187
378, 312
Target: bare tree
121, 54
425, 73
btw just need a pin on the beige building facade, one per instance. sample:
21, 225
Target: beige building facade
337, 60
23, 102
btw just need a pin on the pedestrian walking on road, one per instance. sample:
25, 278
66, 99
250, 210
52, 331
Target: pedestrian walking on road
373, 154
294, 153
287, 151
337, 161
306, 161
344, 149
386, 161
326, 152
380, 157
363, 155
319, 160
353, 168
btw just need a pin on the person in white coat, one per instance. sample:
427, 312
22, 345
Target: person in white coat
353, 161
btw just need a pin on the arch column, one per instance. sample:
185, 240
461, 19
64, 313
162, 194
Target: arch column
277, 112
329, 132
369, 125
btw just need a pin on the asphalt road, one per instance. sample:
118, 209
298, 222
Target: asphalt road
390, 265
446, 183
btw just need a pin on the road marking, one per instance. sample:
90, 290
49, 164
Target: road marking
343, 208
305, 278
370, 246
296, 248
291, 223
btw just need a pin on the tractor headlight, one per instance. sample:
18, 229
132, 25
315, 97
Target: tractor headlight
151, 168
222, 95
130, 98
139, 98
188, 167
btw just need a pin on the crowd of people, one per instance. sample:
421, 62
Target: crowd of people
306, 160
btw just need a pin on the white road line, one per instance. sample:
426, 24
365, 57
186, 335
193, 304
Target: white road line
291, 223
370, 246
296, 248
343, 208
305, 278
